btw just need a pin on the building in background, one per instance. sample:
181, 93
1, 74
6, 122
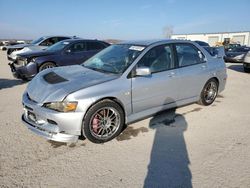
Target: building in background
214, 39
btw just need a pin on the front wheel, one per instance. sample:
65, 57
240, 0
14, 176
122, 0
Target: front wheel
46, 66
209, 92
103, 121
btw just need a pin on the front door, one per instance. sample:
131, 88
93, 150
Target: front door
160, 87
75, 54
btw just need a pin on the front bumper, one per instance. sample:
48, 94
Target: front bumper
52, 125
59, 137
23, 72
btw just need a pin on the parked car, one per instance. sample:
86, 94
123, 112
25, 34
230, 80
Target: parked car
236, 55
212, 50
121, 84
201, 43
231, 46
38, 44
67, 52
246, 62
5, 44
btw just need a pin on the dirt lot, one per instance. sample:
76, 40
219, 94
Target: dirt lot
191, 146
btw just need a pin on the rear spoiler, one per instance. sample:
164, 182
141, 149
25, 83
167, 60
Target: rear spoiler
216, 52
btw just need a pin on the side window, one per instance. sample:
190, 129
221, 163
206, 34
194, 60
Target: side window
62, 38
49, 41
158, 59
188, 55
78, 47
95, 46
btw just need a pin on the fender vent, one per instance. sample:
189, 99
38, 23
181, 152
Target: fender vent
53, 78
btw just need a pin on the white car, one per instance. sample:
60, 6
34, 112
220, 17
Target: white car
35, 45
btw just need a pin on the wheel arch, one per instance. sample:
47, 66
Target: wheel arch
43, 62
114, 99
217, 80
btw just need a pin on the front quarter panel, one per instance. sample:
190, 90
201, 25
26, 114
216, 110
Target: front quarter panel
40, 60
119, 88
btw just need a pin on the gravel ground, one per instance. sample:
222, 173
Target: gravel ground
193, 146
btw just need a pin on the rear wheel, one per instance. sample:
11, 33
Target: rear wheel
209, 92
46, 65
103, 121
246, 69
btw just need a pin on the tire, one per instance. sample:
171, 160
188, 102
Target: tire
247, 70
46, 66
103, 121
209, 92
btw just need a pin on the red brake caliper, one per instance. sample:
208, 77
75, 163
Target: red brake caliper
95, 123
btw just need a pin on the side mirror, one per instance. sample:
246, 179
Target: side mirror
142, 71
68, 51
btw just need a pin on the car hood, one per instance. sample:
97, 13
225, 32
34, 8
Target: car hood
55, 84
19, 46
36, 53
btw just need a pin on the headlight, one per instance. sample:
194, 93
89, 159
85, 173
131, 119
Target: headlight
61, 106
22, 61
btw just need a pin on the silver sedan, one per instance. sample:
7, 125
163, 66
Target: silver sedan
119, 85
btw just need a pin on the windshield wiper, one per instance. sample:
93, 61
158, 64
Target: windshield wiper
99, 70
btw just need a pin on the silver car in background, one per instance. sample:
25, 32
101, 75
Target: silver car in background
119, 85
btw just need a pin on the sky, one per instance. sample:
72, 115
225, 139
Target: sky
120, 19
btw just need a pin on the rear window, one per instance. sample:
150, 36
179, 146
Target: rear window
188, 55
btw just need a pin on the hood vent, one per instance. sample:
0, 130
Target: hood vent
53, 78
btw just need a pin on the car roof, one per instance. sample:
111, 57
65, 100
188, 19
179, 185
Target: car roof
151, 42
49, 36
80, 40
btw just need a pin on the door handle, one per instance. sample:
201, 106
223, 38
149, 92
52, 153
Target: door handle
171, 74
203, 66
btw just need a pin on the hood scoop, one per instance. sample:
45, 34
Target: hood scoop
53, 78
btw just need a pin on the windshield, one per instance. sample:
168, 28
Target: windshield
114, 59
37, 40
58, 46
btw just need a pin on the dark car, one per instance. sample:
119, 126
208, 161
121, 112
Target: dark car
67, 52
211, 50
237, 55
231, 46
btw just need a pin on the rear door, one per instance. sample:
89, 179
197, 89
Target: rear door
160, 88
192, 68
